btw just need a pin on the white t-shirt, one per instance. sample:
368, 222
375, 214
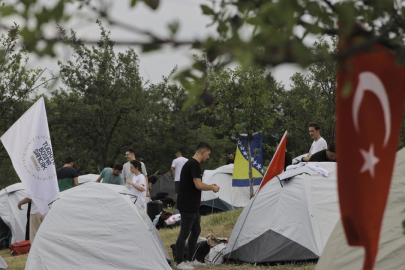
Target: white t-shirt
140, 180
177, 164
318, 145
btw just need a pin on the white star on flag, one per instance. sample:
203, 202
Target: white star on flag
244, 153
370, 160
259, 166
254, 162
242, 148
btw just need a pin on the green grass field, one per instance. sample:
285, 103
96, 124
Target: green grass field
220, 225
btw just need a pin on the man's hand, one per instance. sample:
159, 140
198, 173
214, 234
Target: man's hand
147, 194
215, 188
19, 205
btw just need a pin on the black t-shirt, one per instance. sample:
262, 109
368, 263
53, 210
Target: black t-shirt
287, 160
230, 161
153, 179
66, 172
320, 157
189, 197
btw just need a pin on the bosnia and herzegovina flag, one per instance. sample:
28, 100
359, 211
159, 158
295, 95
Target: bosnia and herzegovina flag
240, 176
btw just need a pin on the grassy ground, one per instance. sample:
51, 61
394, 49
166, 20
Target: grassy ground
220, 225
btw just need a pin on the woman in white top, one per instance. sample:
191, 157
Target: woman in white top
137, 184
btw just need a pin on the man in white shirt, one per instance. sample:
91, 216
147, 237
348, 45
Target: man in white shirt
35, 216
318, 144
126, 170
175, 171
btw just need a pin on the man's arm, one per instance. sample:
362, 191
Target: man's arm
99, 179
202, 186
23, 201
76, 180
172, 172
307, 158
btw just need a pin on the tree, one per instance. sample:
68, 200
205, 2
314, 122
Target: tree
245, 102
103, 109
17, 83
311, 99
278, 28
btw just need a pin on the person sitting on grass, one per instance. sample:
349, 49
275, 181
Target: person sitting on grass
137, 184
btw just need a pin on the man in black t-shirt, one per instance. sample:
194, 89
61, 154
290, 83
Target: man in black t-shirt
67, 175
327, 155
188, 203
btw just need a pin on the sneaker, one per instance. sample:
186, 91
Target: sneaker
184, 266
196, 263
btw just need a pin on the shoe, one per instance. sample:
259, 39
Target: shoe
184, 266
196, 263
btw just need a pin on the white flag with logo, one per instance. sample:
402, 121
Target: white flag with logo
29, 145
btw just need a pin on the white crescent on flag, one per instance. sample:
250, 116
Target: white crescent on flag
368, 81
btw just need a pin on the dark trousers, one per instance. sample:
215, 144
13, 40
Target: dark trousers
189, 226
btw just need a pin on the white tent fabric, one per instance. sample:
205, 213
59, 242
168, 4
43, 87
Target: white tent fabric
3, 264
222, 176
289, 220
97, 226
87, 178
339, 255
14, 218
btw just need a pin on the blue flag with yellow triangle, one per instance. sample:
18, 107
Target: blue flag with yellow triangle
240, 177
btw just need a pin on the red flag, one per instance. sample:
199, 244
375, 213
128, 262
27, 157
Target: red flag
276, 164
370, 100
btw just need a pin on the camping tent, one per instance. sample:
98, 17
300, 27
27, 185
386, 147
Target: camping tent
15, 219
338, 255
87, 178
228, 197
163, 185
3, 264
97, 226
290, 219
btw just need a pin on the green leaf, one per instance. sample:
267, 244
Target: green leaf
207, 10
153, 4
133, 3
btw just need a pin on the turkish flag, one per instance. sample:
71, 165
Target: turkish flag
276, 164
370, 101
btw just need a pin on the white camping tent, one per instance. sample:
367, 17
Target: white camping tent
87, 178
290, 219
228, 197
14, 218
338, 255
97, 226
3, 264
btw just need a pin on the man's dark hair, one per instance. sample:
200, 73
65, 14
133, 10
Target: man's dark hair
131, 150
203, 145
331, 147
136, 164
158, 173
316, 126
117, 166
69, 160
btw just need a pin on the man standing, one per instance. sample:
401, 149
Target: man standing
67, 175
318, 144
188, 203
175, 171
126, 171
112, 175
35, 216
